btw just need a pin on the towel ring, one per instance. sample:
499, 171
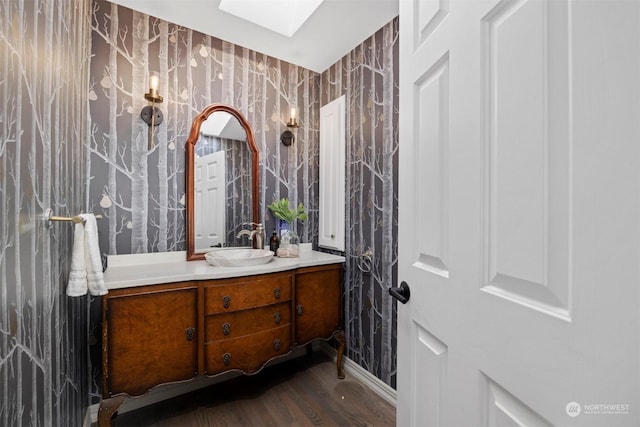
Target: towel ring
365, 261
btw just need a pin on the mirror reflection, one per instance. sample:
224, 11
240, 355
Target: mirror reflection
221, 180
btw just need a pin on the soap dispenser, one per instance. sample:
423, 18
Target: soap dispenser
274, 242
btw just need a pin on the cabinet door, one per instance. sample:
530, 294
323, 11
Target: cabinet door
332, 171
318, 302
150, 338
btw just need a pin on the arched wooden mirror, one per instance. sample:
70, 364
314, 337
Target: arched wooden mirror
221, 180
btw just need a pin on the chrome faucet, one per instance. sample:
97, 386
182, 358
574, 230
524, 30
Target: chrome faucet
256, 235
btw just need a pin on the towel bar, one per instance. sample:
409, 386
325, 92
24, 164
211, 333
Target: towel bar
50, 217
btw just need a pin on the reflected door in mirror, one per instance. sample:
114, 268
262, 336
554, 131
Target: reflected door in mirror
210, 184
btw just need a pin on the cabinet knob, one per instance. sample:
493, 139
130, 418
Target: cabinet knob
190, 332
276, 293
276, 318
226, 301
226, 359
226, 328
299, 310
276, 345
333, 236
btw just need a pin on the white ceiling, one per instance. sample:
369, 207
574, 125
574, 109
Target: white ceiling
333, 30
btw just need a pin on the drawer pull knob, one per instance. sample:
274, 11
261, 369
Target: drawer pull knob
226, 359
226, 328
226, 301
276, 293
190, 332
299, 310
276, 318
276, 345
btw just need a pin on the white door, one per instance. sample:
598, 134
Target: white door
519, 213
331, 227
209, 189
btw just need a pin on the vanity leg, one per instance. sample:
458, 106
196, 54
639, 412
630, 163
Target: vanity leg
341, 344
107, 408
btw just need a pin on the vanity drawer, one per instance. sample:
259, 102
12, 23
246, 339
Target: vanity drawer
246, 292
248, 353
247, 322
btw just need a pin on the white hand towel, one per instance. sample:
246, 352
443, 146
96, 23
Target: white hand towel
77, 285
93, 262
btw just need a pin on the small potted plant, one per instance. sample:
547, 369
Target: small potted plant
289, 240
283, 212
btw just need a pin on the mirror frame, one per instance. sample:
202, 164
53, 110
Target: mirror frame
194, 136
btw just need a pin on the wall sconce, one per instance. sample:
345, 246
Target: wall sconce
287, 138
150, 114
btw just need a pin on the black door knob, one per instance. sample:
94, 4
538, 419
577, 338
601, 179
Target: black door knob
402, 294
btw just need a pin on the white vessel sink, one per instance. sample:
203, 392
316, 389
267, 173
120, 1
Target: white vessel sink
238, 257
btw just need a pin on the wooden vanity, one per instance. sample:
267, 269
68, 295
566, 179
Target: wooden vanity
158, 329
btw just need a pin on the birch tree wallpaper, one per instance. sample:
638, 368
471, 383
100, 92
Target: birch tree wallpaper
140, 190
44, 65
73, 77
368, 77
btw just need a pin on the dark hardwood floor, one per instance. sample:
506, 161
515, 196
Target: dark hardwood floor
300, 392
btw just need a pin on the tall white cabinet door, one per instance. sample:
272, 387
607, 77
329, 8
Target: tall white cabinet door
332, 175
519, 228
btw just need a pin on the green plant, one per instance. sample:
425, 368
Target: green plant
282, 211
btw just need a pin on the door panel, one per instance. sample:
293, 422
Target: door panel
429, 388
503, 409
519, 227
428, 16
527, 158
432, 126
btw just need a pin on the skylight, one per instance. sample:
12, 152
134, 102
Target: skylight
281, 16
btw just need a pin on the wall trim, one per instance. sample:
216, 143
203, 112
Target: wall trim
91, 416
374, 383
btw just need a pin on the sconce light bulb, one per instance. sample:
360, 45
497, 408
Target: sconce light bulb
292, 123
153, 83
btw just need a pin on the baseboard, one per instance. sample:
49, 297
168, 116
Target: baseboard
88, 416
367, 378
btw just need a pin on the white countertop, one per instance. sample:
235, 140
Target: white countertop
124, 271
